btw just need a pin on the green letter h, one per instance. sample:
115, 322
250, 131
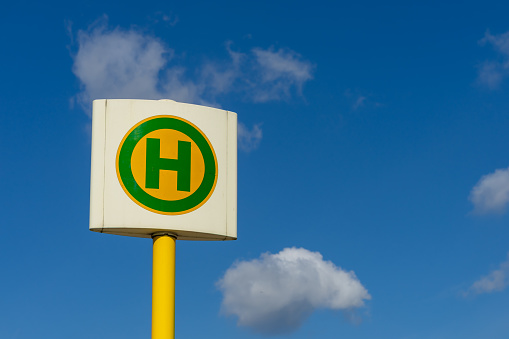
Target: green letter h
155, 163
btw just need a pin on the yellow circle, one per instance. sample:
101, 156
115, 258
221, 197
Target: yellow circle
168, 179
203, 177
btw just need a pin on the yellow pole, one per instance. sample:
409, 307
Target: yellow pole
163, 287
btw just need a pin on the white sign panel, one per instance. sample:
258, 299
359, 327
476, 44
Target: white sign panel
163, 166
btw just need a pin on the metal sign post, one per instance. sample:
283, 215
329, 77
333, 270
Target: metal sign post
163, 286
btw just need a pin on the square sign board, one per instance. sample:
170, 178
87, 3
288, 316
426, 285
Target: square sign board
163, 166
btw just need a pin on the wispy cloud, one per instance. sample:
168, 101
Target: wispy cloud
496, 281
168, 18
279, 72
249, 139
492, 73
491, 193
277, 292
130, 63
359, 102
119, 63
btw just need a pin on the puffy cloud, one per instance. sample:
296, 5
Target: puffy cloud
491, 73
277, 292
491, 193
119, 64
249, 140
497, 280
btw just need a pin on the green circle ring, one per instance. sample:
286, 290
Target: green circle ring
125, 174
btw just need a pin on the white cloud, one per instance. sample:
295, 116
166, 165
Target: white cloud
491, 73
358, 100
491, 193
249, 140
168, 18
279, 72
500, 42
220, 77
277, 292
361, 100
118, 63
495, 281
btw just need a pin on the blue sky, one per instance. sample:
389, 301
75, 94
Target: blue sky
373, 140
